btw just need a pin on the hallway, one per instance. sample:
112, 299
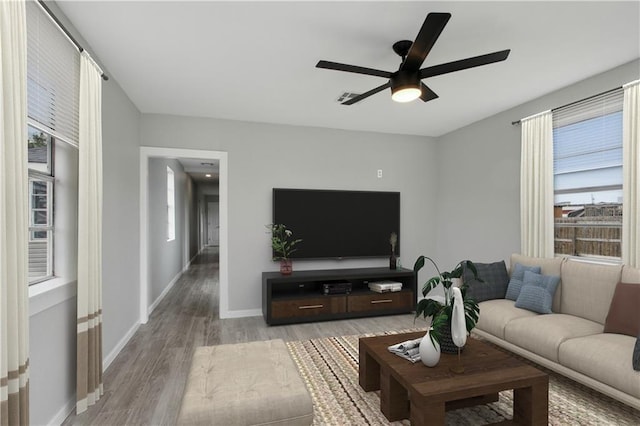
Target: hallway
144, 384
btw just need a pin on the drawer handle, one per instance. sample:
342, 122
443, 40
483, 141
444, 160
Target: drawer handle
382, 301
310, 306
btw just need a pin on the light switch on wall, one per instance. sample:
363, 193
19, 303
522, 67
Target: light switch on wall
379, 173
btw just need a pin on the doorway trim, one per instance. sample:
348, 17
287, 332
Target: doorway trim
147, 152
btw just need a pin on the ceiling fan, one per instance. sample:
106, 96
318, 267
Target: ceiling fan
406, 83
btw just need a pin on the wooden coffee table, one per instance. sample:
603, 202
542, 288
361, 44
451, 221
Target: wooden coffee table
423, 394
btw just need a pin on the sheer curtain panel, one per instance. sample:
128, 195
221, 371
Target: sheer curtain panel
536, 186
14, 301
631, 174
89, 350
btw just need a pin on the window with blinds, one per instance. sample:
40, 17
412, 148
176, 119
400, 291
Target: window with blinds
53, 77
587, 168
53, 88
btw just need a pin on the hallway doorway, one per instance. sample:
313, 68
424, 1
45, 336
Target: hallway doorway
221, 237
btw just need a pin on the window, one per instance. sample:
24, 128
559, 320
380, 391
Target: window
587, 168
171, 205
53, 75
40, 205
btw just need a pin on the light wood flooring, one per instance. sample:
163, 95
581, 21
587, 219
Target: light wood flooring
144, 384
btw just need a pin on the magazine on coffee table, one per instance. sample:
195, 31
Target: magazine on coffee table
409, 350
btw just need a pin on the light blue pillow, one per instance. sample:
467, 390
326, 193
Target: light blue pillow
537, 292
517, 278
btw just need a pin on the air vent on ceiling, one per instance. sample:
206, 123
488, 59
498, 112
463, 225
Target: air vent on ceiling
346, 96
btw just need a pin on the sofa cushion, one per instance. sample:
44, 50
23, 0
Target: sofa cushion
495, 314
624, 311
543, 334
495, 280
587, 289
549, 266
592, 356
537, 292
517, 280
636, 355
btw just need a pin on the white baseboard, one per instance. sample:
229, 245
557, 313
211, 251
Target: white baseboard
164, 292
106, 361
242, 313
188, 265
64, 412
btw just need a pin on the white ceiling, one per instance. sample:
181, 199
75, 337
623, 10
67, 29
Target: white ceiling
255, 61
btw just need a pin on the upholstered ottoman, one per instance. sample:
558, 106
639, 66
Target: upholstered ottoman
254, 383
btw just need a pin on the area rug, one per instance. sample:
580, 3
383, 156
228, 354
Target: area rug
329, 367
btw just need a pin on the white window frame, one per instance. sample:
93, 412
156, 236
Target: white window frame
171, 205
34, 176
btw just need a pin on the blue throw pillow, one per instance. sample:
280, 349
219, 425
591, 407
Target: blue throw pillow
636, 355
537, 292
515, 284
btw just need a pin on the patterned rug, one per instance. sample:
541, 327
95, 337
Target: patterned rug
329, 367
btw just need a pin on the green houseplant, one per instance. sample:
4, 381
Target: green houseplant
283, 245
441, 312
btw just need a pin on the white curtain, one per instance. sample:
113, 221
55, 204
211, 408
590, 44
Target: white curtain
89, 313
631, 174
536, 186
14, 300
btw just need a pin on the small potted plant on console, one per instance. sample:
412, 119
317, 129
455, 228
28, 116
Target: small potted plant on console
283, 246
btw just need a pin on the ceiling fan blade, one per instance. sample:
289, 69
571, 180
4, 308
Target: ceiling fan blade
433, 25
367, 94
352, 68
427, 94
464, 64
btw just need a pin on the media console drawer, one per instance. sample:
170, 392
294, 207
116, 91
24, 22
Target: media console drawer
308, 307
380, 301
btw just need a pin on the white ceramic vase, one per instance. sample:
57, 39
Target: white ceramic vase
429, 354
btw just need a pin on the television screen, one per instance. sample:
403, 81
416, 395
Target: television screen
339, 224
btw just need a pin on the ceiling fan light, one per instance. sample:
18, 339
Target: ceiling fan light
406, 94
405, 86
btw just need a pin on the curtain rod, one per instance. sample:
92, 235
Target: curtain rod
65, 31
513, 123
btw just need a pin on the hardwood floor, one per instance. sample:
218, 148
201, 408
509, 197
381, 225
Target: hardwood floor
144, 384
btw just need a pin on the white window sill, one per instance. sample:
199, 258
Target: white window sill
47, 294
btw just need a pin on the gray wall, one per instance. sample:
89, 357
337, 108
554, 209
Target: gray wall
52, 362
166, 258
121, 215
479, 175
263, 156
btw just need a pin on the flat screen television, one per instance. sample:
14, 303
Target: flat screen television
336, 224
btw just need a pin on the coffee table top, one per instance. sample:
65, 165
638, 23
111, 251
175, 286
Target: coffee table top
487, 369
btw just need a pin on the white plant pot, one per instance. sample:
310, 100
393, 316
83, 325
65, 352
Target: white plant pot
429, 354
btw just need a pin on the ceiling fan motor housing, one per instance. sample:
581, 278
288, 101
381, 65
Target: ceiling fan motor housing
404, 80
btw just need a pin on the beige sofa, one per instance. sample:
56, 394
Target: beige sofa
570, 341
